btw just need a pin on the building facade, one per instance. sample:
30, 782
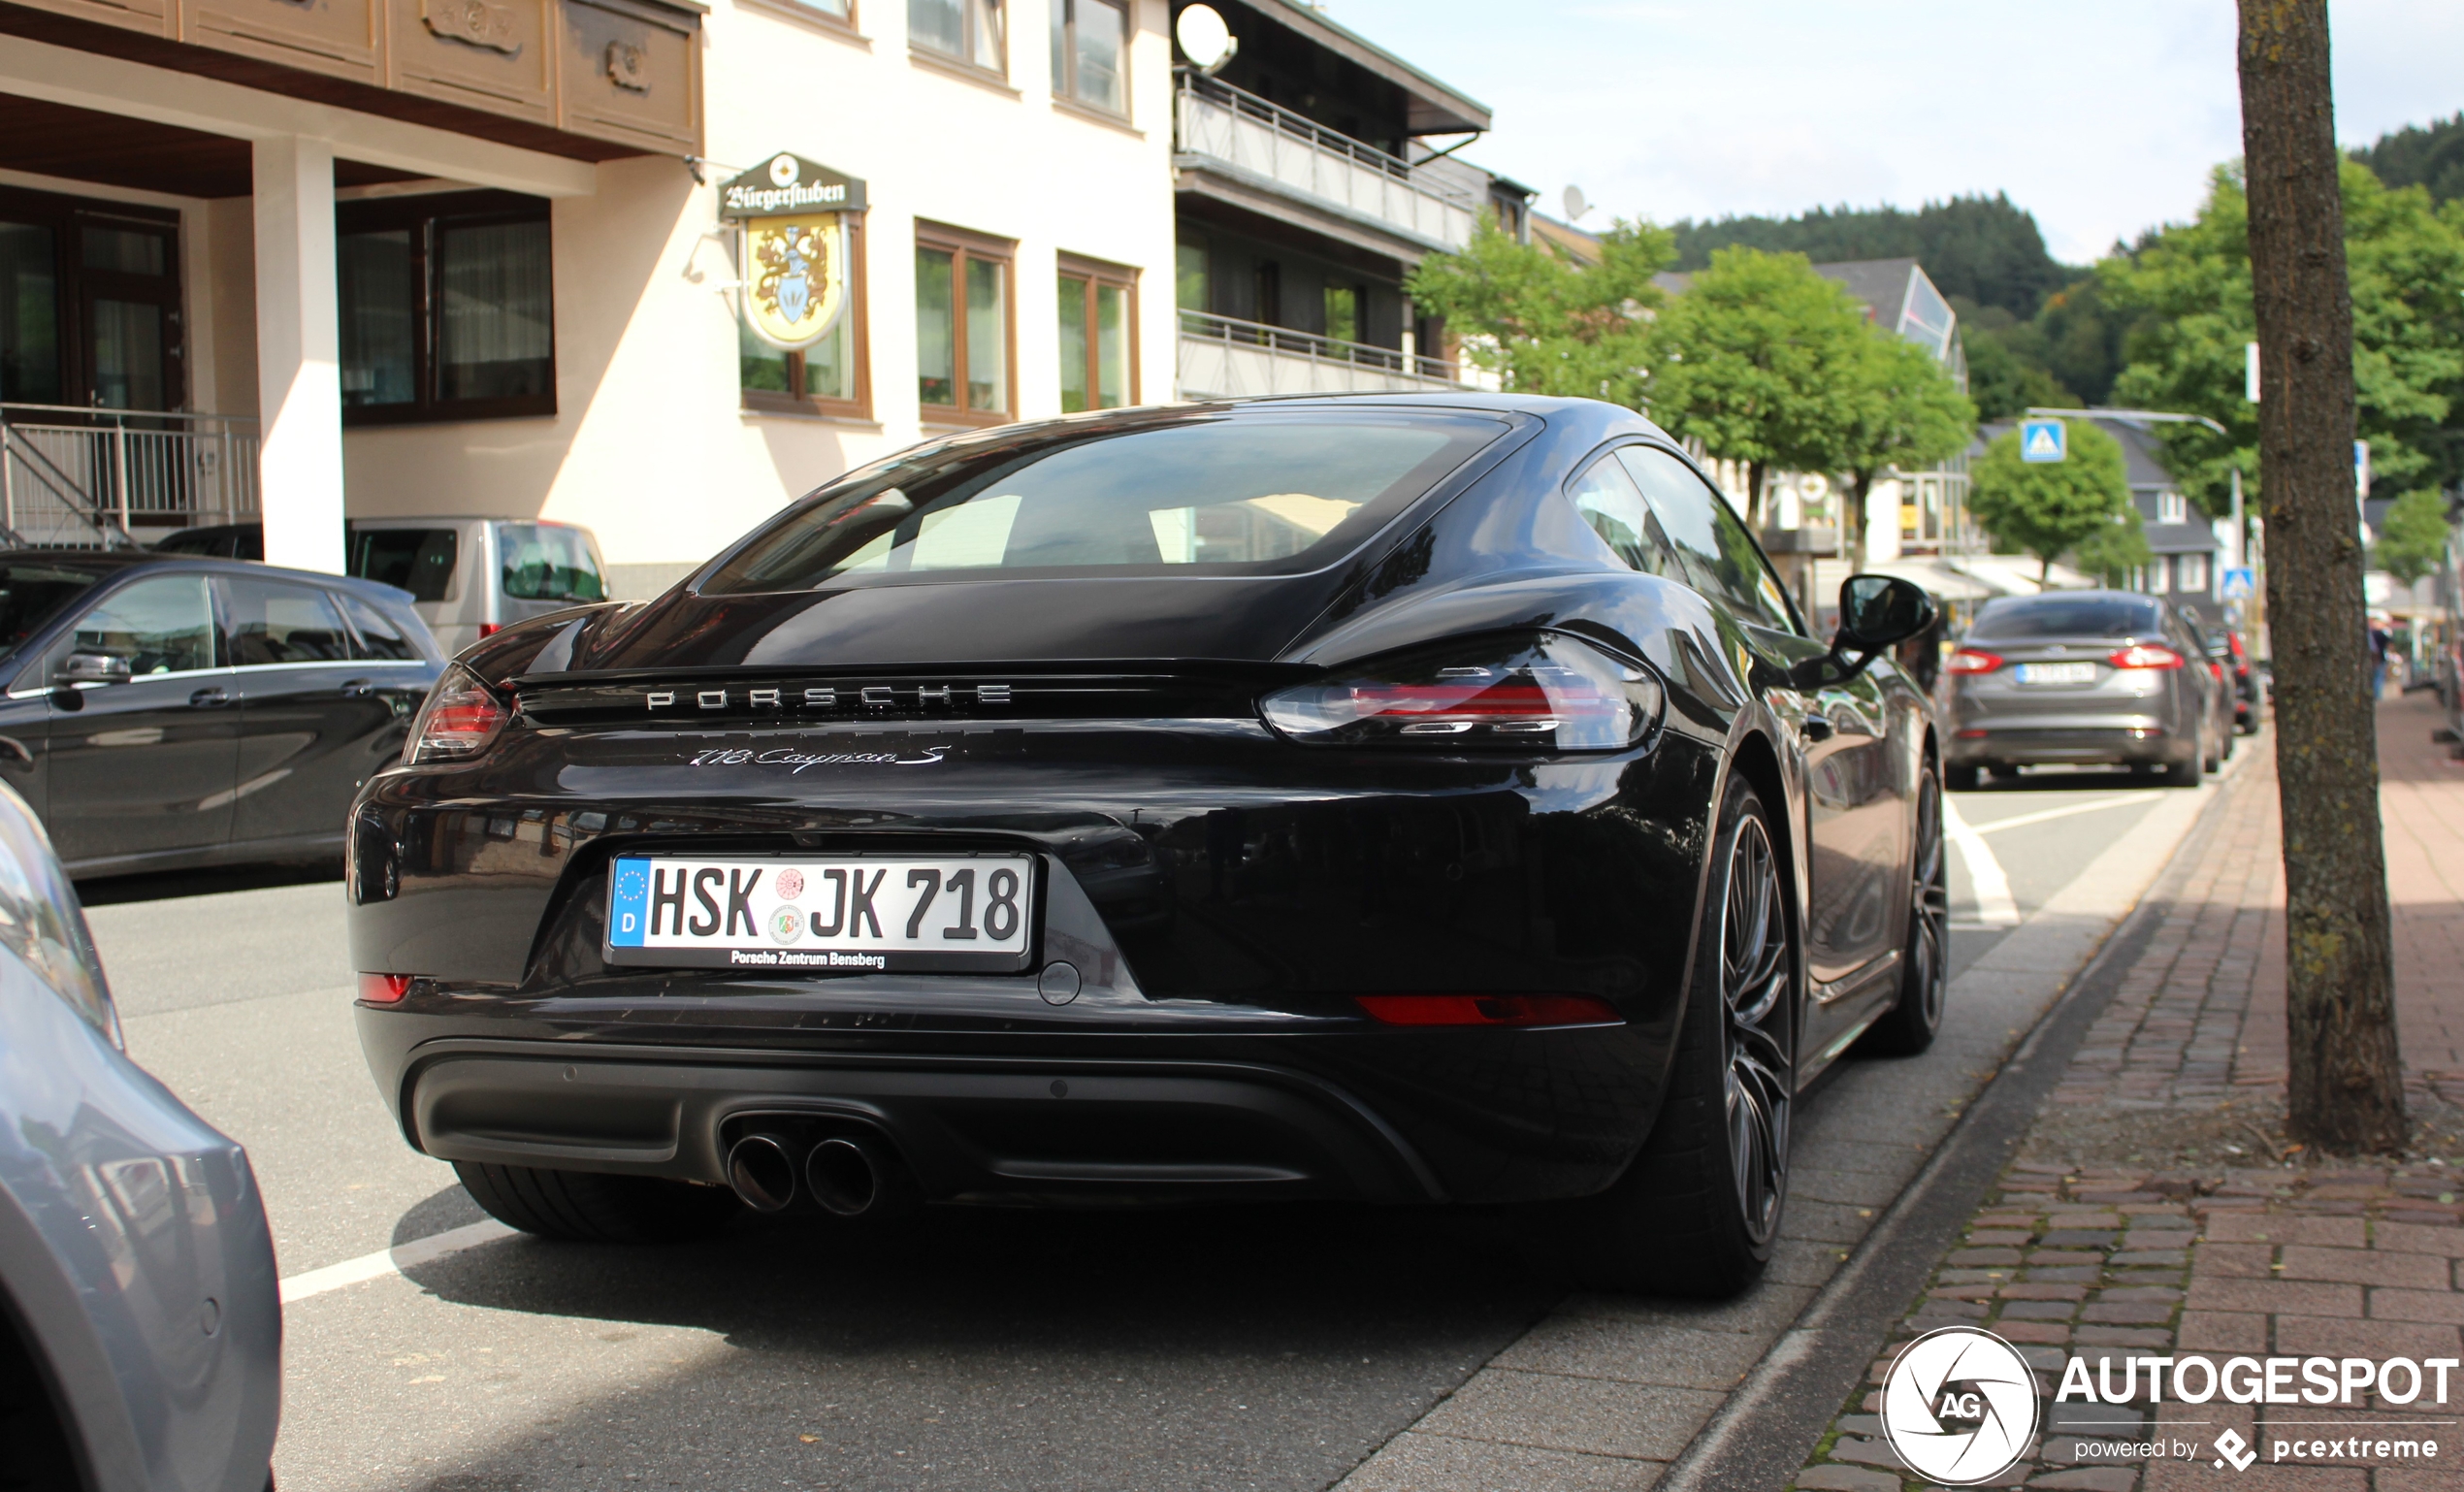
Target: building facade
397, 257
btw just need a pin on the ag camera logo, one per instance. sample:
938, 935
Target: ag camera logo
1959, 1405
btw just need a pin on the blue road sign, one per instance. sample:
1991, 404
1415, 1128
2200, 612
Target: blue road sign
2043, 440
2239, 581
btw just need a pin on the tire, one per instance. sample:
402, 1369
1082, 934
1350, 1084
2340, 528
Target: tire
2182, 774
592, 1207
34, 1442
1959, 779
1698, 1211
1908, 1026
2003, 772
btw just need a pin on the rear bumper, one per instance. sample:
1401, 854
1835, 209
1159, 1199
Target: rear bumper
1086, 1132
2120, 742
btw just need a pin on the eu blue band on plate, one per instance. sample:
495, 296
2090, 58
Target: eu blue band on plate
629, 909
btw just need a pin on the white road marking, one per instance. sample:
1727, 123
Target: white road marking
392, 1261
2019, 820
1994, 907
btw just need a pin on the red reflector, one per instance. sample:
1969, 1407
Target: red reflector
1973, 661
2146, 654
490, 629
1490, 1010
1972, 734
383, 988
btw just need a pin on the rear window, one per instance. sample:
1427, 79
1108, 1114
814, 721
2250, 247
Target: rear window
1254, 495
2065, 616
549, 562
420, 561
32, 594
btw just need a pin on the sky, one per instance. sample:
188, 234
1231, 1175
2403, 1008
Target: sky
2101, 116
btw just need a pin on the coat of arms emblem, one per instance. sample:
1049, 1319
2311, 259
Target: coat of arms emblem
798, 280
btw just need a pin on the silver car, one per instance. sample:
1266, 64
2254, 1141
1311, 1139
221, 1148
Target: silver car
470, 576
2080, 676
142, 1347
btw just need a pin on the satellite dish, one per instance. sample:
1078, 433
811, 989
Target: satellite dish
1576, 204
1204, 40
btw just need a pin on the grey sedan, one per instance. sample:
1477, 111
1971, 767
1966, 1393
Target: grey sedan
2080, 676
140, 1343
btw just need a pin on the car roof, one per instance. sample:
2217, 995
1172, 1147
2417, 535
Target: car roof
106, 562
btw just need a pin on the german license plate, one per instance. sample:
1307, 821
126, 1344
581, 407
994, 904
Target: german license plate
851, 915
2057, 673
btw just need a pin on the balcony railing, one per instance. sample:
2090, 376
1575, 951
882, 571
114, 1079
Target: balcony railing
75, 477
1221, 358
1277, 148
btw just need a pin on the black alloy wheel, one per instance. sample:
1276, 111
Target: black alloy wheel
1699, 1210
1908, 1027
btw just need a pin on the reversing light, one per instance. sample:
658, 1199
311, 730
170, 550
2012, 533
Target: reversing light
1490, 1009
1973, 661
458, 721
1549, 693
383, 988
2146, 654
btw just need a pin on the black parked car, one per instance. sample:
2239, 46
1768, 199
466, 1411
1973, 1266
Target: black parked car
1421, 799
164, 711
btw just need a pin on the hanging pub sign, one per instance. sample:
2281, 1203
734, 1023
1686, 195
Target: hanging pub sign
794, 215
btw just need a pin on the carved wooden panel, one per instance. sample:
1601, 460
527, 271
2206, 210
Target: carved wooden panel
152, 17
631, 73
338, 38
499, 55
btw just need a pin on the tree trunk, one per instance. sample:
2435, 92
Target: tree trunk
1754, 473
1852, 519
2345, 1089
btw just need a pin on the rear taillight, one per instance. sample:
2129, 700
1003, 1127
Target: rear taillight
383, 988
490, 629
1971, 661
1490, 1009
2146, 654
1549, 693
458, 720
2216, 670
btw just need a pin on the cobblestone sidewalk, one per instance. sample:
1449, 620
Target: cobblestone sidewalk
2155, 1211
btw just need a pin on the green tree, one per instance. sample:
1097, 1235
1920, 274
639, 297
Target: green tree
1756, 360
2190, 286
2050, 509
1985, 250
1897, 409
2428, 155
2414, 539
1544, 324
2002, 383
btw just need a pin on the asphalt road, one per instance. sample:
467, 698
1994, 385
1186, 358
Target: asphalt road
1272, 1348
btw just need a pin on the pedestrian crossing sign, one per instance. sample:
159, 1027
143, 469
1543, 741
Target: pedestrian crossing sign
2042, 441
2239, 581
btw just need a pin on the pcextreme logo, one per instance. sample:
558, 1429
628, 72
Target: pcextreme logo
1959, 1405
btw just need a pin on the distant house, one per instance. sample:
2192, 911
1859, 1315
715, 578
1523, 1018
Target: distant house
2190, 550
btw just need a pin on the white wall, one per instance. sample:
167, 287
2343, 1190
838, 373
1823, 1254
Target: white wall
649, 446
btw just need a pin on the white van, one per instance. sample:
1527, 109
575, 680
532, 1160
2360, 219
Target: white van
470, 576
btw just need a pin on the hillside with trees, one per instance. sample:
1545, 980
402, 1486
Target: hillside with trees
2430, 156
1985, 250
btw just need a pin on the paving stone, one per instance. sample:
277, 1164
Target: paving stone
2294, 1297
2283, 1228
2039, 1311
2219, 1331
2417, 1305
2092, 1479
2304, 1336
2415, 1238
1847, 1478
2128, 1313
2365, 1266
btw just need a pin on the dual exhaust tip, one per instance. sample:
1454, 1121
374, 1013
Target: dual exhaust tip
844, 1175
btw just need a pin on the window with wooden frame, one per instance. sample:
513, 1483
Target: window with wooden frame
447, 307
1090, 54
89, 303
975, 32
1099, 334
833, 377
967, 357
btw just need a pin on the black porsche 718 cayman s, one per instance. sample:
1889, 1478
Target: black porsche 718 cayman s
1417, 799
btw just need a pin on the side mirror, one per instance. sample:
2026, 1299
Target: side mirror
95, 669
1875, 611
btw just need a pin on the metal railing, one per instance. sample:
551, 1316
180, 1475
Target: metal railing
1265, 142
82, 478
1224, 358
